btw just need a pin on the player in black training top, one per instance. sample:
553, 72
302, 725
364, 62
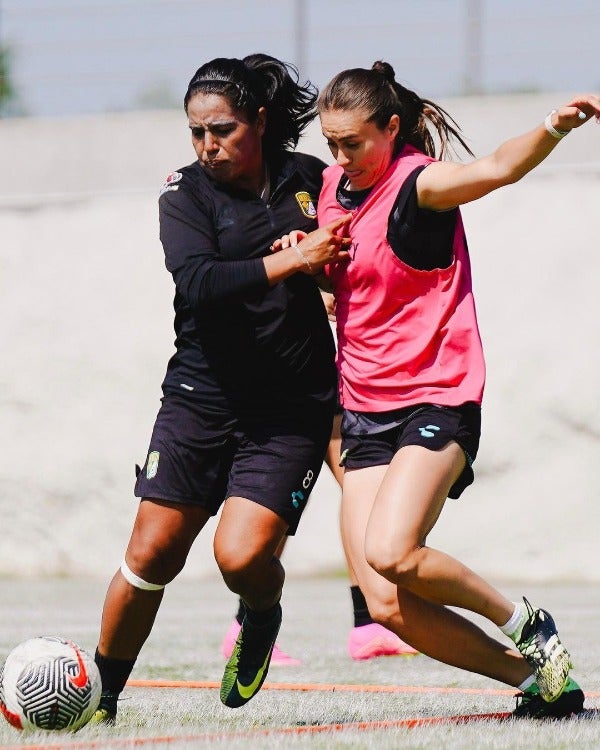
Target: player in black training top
249, 395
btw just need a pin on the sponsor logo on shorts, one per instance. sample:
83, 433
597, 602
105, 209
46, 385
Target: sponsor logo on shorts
427, 431
170, 183
306, 204
298, 496
152, 466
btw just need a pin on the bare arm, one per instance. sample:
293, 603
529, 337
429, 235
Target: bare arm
444, 185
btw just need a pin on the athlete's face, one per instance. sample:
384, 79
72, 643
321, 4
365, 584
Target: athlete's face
358, 145
228, 146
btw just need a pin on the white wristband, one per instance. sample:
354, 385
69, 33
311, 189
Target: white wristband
302, 257
558, 134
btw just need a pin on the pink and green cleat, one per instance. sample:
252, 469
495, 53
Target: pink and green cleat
369, 641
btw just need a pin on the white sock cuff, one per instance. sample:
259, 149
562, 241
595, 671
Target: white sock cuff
516, 619
138, 582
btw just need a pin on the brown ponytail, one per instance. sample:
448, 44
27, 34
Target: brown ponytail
381, 96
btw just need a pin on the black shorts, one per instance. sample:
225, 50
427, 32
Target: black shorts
196, 459
373, 439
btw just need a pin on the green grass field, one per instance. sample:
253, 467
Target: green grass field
327, 702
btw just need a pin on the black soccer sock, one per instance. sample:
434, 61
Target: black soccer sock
359, 606
114, 672
258, 619
239, 616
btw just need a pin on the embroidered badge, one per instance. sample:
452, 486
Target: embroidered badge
306, 204
152, 466
169, 183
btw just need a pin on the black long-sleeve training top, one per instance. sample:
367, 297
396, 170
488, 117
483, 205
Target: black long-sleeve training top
241, 344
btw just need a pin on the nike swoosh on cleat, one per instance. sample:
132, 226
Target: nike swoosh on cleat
247, 691
80, 679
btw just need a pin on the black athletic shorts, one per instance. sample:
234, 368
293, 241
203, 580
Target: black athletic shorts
196, 459
372, 439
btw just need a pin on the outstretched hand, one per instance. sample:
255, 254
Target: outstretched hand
577, 112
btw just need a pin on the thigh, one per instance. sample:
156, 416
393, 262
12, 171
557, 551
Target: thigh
412, 494
374, 439
358, 498
434, 427
162, 536
248, 533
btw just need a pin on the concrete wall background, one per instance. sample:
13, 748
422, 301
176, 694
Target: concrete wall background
86, 330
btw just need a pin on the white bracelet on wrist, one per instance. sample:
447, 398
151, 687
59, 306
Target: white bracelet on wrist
554, 132
302, 257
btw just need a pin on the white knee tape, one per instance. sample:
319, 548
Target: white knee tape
138, 582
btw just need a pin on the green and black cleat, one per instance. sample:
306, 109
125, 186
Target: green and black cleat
248, 665
531, 705
542, 649
106, 713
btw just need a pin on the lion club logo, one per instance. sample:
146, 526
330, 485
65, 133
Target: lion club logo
306, 204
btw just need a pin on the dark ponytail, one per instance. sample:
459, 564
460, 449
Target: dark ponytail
378, 93
260, 81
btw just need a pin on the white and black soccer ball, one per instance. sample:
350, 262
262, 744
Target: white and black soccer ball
49, 683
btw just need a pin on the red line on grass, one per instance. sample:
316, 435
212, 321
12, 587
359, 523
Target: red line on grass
333, 688
294, 730
300, 730
323, 687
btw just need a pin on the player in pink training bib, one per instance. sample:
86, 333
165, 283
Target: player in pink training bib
412, 371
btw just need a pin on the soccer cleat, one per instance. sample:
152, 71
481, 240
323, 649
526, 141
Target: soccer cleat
248, 665
368, 641
541, 647
531, 705
106, 713
278, 657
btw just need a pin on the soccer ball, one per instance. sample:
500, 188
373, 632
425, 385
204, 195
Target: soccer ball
49, 683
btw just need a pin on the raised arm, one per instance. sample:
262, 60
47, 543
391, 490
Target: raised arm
445, 185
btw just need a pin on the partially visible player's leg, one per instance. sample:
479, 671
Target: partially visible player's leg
160, 541
246, 541
367, 638
431, 628
187, 465
245, 544
279, 657
414, 489
419, 616
272, 476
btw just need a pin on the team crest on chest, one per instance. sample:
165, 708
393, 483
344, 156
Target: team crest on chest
306, 204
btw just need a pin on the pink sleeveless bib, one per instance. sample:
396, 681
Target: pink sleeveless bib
405, 336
